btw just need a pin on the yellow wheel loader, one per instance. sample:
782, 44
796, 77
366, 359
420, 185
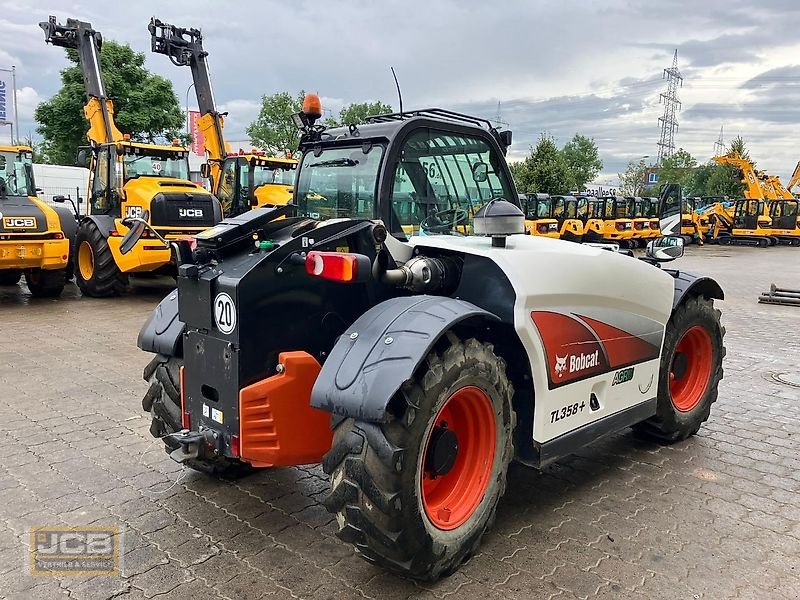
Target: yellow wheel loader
36, 240
242, 180
126, 179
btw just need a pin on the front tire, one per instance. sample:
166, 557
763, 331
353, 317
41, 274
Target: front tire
691, 369
97, 274
10, 276
163, 402
415, 495
46, 284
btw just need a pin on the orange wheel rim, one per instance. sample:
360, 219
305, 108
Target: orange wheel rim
457, 458
690, 371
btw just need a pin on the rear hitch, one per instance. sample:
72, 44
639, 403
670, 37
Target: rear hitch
193, 444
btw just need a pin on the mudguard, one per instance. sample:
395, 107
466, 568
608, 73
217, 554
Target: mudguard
69, 226
381, 350
689, 284
105, 223
163, 331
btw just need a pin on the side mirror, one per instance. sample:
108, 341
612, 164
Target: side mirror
82, 158
665, 249
137, 226
205, 170
505, 138
60, 199
480, 172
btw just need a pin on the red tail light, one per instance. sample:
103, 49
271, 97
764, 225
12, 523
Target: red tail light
58, 236
541, 228
620, 226
186, 419
235, 445
336, 266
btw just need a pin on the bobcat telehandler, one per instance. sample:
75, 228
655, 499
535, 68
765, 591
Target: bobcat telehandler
36, 239
242, 180
126, 179
417, 367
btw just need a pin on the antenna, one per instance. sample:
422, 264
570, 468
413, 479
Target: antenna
397, 84
669, 123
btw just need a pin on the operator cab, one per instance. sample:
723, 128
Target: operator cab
423, 172
254, 179
16, 172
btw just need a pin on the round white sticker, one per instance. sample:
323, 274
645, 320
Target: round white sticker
224, 313
156, 167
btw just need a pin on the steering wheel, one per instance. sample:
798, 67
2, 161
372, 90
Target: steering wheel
443, 221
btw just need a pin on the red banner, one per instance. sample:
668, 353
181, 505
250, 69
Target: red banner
198, 141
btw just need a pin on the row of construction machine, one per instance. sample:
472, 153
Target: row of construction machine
126, 179
630, 222
767, 215
241, 180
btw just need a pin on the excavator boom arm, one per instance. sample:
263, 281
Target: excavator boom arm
748, 172
795, 177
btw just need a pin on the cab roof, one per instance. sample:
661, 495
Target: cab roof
18, 148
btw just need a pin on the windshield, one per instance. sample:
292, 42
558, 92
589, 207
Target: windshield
619, 208
266, 175
17, 173
442, 179
339, 183
146, 162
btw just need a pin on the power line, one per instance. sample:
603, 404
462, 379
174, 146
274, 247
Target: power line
669, 122
719, 145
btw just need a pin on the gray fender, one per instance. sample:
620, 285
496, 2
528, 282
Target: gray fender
69, 226
105, 223
163, 331
689, 284
381, 350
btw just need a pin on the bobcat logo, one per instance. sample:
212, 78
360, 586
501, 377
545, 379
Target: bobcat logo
561, 365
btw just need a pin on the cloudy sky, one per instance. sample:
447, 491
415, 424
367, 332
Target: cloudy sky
555, 66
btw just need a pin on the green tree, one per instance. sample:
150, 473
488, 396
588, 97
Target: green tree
583, 160
738, 145
145, 104
631, 182
357, 113
677, 168
544, 170
724, 181
273, 130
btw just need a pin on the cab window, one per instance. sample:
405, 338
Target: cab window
441, 180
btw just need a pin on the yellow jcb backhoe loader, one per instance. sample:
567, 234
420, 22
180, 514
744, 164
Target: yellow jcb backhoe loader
242, 180
126, 179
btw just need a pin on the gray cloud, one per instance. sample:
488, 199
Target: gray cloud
567, 67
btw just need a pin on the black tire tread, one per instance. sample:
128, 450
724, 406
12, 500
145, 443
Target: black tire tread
367, 460
46, 283
663, 426
163, 401
107, 279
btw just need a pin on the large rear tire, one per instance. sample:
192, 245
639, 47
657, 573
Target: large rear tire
46, 284
97, 275
415, 495
691, 369
163, 402
10, 276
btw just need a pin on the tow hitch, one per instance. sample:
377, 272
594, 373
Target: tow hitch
194, 444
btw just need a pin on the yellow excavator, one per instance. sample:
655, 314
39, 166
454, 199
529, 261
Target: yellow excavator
747, 225
566, 210
126, 179
795, 178
606, 220
646, 224
539, 215
782, 209
243, 180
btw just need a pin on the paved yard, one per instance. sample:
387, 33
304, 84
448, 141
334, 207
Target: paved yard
717, 516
